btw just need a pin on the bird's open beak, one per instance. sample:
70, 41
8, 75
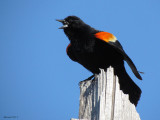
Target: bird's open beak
64, 24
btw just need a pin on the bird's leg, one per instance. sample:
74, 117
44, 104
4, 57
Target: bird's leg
95, 77
92, 77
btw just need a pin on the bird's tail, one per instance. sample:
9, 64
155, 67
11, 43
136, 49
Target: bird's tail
127, 85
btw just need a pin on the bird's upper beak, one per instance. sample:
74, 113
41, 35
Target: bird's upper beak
65, 24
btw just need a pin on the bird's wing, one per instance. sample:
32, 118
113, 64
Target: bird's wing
70, 53
112, 40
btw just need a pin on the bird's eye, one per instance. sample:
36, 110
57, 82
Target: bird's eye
65, 22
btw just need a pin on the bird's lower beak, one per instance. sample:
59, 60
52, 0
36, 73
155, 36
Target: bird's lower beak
64, 26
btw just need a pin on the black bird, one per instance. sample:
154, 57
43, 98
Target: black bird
96, 49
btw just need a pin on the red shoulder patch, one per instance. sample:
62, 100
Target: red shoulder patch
105, 36
68, 47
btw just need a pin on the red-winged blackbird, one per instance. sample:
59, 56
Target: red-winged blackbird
96, 49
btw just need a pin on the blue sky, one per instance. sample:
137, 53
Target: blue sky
38, 81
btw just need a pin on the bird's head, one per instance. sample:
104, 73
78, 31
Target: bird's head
71, 22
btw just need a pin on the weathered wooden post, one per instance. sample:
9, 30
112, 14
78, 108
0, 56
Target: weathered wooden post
102, 99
